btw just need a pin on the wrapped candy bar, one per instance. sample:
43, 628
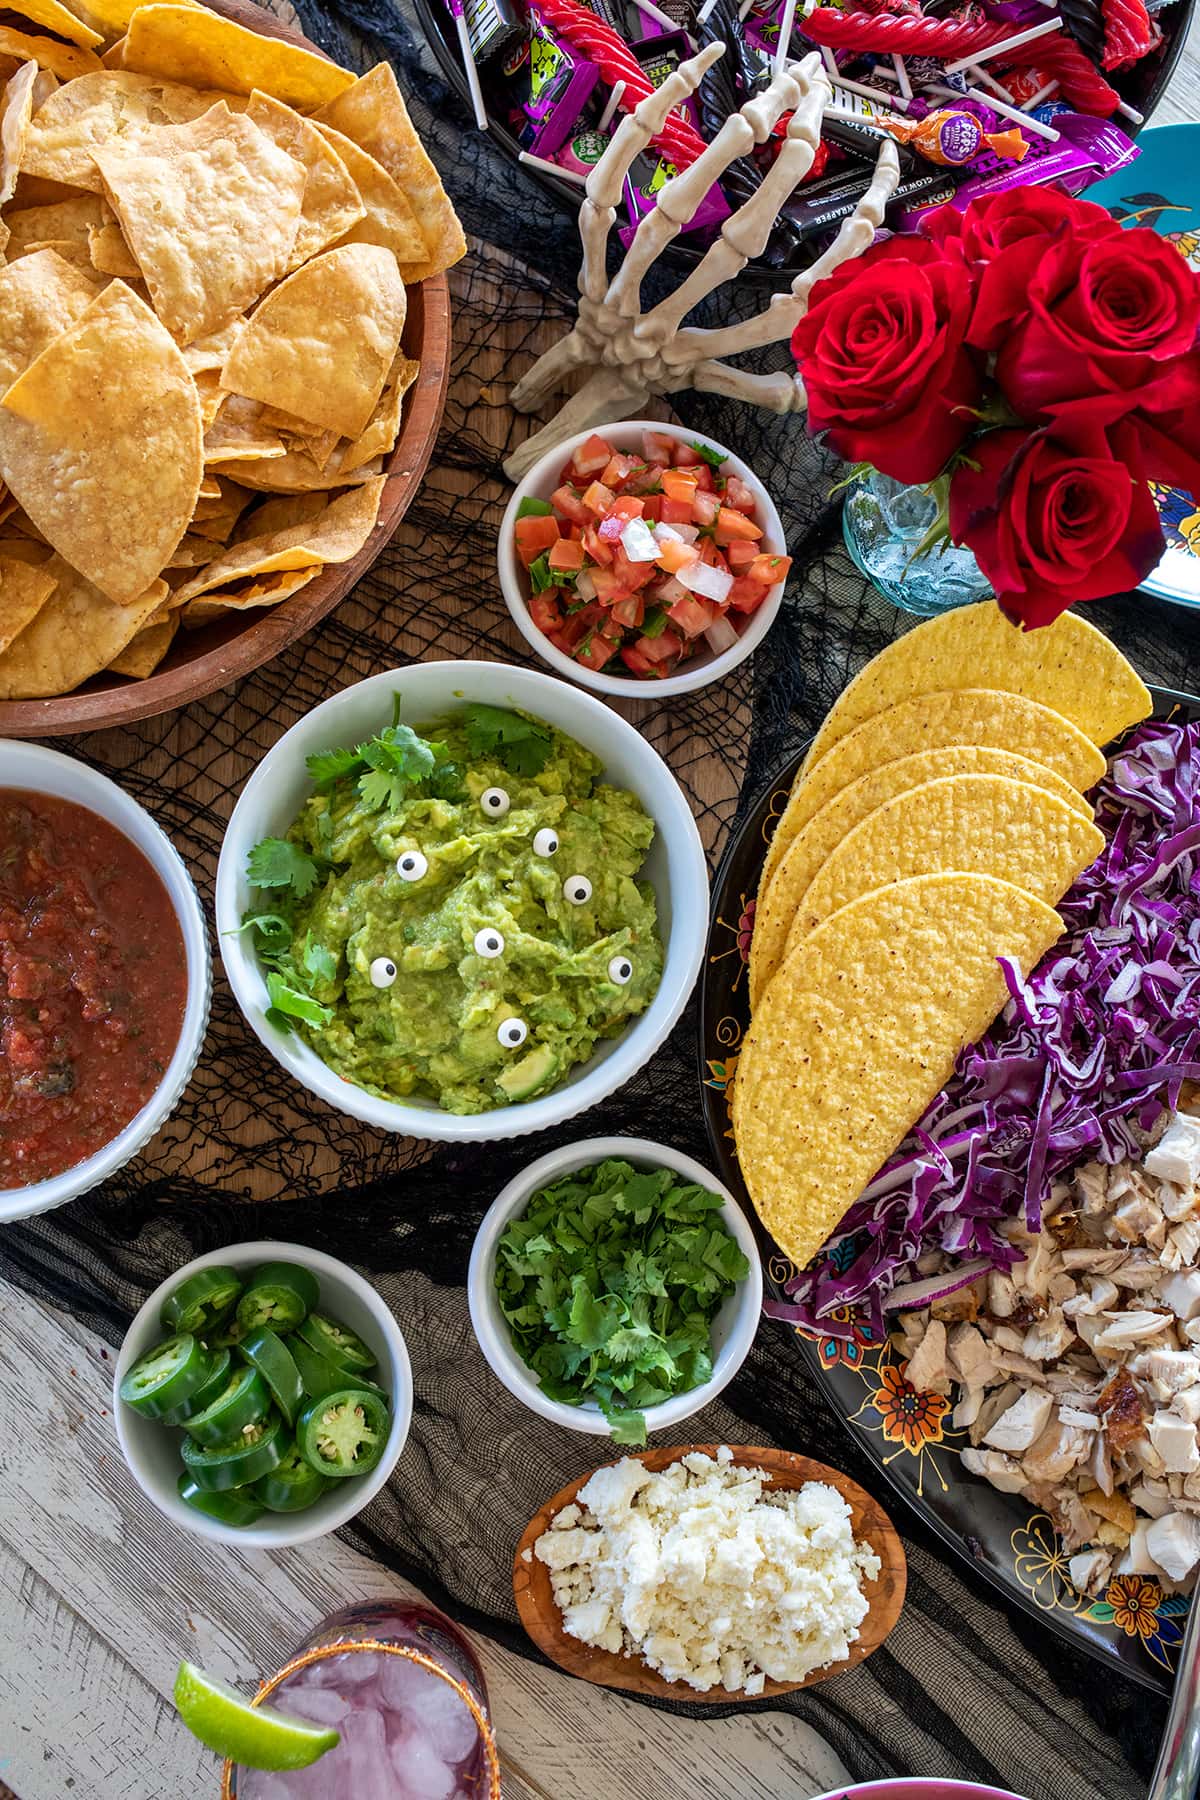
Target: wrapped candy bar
953, 136
555, 84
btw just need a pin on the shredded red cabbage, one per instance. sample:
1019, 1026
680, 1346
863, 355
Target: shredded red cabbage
1102, 1034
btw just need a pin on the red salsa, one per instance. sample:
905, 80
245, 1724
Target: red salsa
93, 983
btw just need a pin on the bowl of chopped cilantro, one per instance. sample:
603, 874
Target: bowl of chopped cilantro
615, 1287
461, 901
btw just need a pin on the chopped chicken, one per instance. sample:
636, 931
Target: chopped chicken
1076, 1373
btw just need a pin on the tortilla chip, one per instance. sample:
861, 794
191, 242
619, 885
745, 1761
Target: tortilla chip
64, 60
16, 110
373, 115
109, 110
190, 44
142, 655
215, 519
819, 839
390, 220
321, 344
70, 250
261, 590
210, 352
110, 254
191, 552
53, 17
23, 549
1069, 666
280, 514
860, 1030
297, 473
238, 433
379, 438
66, 220
930, 722
336, 534
77, 632
331, 203
212, 396
40, 296
112, 16
100, 440
24, 589
988, 824
210, 210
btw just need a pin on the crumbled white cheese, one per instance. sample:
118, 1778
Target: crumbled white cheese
709, 1576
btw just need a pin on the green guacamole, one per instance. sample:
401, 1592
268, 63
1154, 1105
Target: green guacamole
457, 967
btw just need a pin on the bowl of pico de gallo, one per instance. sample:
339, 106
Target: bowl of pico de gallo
640, 554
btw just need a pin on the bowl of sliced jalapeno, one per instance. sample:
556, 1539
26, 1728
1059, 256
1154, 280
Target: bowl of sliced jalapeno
263, 1395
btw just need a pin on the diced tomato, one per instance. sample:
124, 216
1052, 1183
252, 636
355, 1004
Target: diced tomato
635, 662
658, 446
705, 508
661, 648
628, 506
533, 535
679, 484
769, 569
684, 456
633, 575
675, 555
666, 592
598, 498
732, 525
644, 481
618, 467
740, 555
629, 612
705, 480
566, 555
710, 554
738, 495
609, 586
676, 512
567, 502
652, 505
746, 596
545, 611
596, 650
576, 626
592, 455
598, 549
692, 615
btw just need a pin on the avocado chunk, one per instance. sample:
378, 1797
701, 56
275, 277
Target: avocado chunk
530, 1074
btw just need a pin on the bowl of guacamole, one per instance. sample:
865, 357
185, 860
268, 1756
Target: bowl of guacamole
462, 901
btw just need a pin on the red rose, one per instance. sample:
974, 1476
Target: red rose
1107, 315
1056, 516
882, 354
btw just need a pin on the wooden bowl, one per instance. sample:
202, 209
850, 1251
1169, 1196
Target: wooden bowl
543, 1621
201, 661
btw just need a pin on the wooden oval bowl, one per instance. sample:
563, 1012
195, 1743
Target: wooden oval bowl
543, 1621
201, 661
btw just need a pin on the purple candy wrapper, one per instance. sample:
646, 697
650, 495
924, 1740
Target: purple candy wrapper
660, 56
1087, 150
559, 84
583, 150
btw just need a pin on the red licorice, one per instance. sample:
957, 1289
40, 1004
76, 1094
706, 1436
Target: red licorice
678, 141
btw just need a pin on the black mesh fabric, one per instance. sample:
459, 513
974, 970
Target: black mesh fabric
962, 1687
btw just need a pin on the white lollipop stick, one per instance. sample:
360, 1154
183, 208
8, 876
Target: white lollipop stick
1022, 37
472, 73
664, 19
902, 76
614, 100
1043, 93
1013, 112
783, 49
551, 168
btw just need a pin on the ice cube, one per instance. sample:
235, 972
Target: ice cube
320, 1704
432, 1703
258, 1784
420, 1772
367, 1774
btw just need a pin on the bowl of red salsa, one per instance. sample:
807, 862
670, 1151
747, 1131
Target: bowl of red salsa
104, 978
642, 555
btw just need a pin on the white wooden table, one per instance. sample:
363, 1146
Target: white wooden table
100, 1598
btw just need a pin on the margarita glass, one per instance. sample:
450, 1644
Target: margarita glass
404, 1688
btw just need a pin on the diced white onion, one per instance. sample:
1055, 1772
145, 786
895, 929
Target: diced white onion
637, 541
585, 587
676, 534
720, 635
704, 579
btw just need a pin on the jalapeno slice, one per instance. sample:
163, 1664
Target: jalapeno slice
166, 1376
336, 1343
318, 1376
240, 1506
278, 1294
203, 1396
260, 1448
202, 1302
292, 1486
243, 1401
266, 1351
229, 1337
345, 1432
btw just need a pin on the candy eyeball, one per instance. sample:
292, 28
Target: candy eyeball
494, 803
577, 890
489, 942
545, 842
512, 1033
411, 866
620, 970
382, 972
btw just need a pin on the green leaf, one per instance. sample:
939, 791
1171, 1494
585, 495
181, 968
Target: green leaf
317, 961
541, 576
275, 863
328, 766
534, 509
273, 933
522, 745
626, 1427
293, 1004
382, 788
654, 623
714, 458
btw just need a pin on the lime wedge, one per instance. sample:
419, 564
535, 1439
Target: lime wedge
253, 1735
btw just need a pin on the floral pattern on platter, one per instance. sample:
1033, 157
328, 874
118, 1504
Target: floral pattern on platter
1132, 1605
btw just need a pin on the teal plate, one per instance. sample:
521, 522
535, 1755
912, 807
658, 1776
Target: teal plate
1162, 189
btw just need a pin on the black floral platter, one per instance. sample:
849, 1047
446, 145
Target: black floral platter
1133, 1624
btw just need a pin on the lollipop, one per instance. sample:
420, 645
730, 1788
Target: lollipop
953, 137
678, 142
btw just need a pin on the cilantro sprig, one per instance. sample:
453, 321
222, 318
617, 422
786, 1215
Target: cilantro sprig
610, 1283
389, 766
522, 745
714, 458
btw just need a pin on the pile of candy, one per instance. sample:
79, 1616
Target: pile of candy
979, 94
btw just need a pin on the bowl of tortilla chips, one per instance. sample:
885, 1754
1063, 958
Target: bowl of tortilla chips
224, 347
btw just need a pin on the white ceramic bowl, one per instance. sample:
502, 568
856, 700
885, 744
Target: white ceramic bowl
700, 669
675, 867
733, 1329
152, 1450
49, 772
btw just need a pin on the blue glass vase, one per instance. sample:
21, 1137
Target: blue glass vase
884, 522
